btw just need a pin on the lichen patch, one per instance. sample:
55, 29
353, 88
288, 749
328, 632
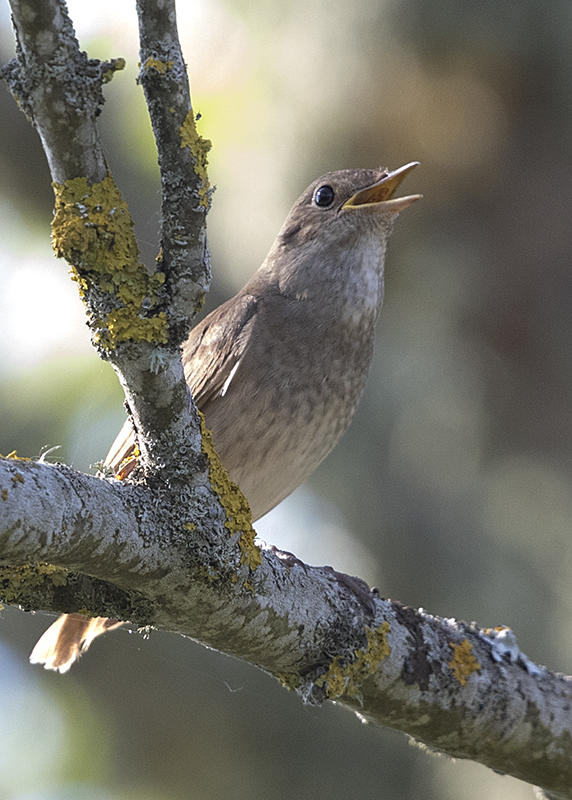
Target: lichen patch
235, 504
13, 456
199, 149
463, 662
159, 66
93, 230
347, 680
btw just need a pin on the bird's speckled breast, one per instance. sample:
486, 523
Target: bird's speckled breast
286, 421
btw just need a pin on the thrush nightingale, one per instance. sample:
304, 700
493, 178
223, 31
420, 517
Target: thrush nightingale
279, 368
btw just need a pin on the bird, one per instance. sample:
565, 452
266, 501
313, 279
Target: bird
278, 369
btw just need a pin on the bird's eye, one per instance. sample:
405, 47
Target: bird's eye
324, 196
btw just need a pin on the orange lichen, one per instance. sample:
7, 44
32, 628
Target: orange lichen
463, 662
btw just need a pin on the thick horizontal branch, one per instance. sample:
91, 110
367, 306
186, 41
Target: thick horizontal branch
463, 691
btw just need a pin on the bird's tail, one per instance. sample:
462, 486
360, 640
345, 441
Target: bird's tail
67, 638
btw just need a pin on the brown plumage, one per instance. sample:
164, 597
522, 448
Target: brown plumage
279, 368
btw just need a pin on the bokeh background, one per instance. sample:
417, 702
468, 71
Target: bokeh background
452, 488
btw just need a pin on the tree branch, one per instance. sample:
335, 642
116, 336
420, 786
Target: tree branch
139, 320
461, 690
59, 88
185, 191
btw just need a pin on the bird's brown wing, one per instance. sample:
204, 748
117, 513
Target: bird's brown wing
122, 456
215, 346
210, 354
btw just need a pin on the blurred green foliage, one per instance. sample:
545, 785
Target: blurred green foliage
452, 488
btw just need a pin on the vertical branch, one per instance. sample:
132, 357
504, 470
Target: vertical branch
138, 318
182, 154
59, 88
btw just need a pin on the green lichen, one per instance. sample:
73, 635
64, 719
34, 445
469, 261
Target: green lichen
93, 230
17, 582
347, 680
235, 504
123, 326
199, 148
463, 662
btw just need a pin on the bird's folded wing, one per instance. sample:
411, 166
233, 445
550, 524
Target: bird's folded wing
122, 456
210, 357
214, 348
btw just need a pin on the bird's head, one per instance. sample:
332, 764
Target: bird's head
347, 202
337, 231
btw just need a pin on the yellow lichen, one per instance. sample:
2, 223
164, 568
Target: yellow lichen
4, 494
17, 478
15, 581
235, 504
13, 456
93, 230
122, 326
496, 630
463, 662
347, 680
157, 65
199, 148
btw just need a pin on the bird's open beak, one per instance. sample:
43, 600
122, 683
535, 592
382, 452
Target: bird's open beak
381, 193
